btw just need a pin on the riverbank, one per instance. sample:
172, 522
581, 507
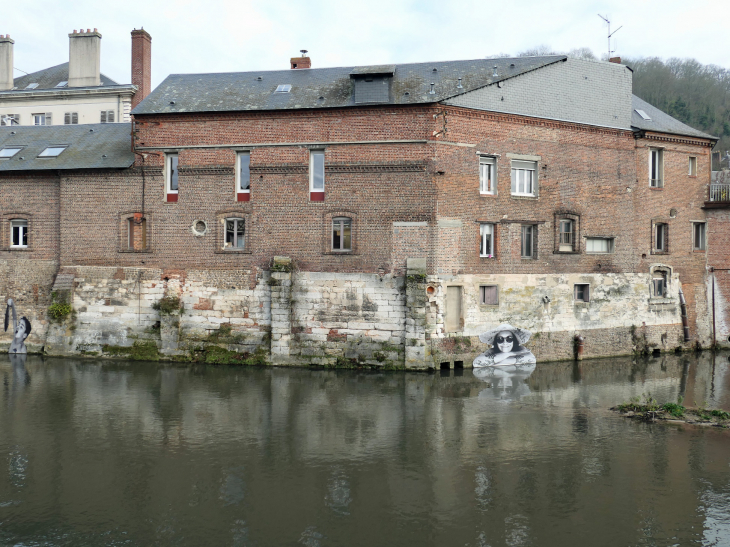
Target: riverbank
650, 411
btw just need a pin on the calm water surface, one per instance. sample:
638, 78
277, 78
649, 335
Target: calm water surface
101, 453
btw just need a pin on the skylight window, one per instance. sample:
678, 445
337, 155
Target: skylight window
31, 86
643, 114
62, 84
52, 152
9, 151
283, 88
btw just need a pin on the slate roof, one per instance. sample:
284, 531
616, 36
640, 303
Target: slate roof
90, 146
661, 121
328, 87
48, 78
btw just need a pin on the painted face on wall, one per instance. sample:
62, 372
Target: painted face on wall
20, 333
504, 341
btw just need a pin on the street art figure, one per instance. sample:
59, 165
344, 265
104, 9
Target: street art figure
21, 329
507, 382
507, 347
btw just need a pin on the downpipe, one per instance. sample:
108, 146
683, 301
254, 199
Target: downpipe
683, 308
578, 341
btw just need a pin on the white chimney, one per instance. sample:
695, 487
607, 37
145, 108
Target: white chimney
84, 56
6, 62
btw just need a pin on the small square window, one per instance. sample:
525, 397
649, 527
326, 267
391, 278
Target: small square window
107, 116
656, 167
52, 152
599, 245
692, 166
489, 295
487, 175
31, 86
42, 119
528, 241
486, 240
581, 292
698, 236
235, 233
524, 178
19, 234
341, 234
9, 151
283, 88
62, 84
70, 118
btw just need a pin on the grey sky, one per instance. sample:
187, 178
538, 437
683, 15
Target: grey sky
191, 36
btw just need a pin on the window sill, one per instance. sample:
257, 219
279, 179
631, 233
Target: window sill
661, 300
488, 194
340, 253
524, 196
171, 198
656, 187
660, 252
489, 306
528, 258
243, 196
233, 251
566, 252
581, 304
134, 251
21, 249
488, 256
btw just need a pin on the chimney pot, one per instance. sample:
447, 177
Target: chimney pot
84, 59
301, 62
141, 65
616, 60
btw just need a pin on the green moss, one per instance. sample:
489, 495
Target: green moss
379, 356
142, 350
279, 267
59, 311
216, 355
168, 305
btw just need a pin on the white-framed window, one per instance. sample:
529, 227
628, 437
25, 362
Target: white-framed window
661, 233
524, 178
528, 241
659, 284
599, 245
235, 237
42, 119
699, 232
489, 295
565, 234
70, 118
486, 240
487, 175
10, 119
9, 151
52, 151
243, 172
316, 171
692, 166
171, 173
341, 234
656, 167
19, 233
581, 292
106, 116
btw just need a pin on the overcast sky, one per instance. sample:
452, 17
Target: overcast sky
190, 36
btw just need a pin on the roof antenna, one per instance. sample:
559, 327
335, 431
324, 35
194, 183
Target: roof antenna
610, 33
304, 52
460, 86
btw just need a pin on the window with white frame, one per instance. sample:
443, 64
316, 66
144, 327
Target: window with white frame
42, 119
581, 292
489, 295
171, 173
486, 240
487, 175
524, 178
106, 116
698, 236
599, 245
19, 233
9, 151
70, 118
10, 119
659, 284
235, 233
656, 167
243, 172
692, 166
316, 171
661, 234
52, 151
565, 234
341, 234
528, 240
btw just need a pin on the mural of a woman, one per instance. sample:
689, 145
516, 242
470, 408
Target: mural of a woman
507, 347
21, 329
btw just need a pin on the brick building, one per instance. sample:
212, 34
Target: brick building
387, 215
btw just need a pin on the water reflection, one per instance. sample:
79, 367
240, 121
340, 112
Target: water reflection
136, 454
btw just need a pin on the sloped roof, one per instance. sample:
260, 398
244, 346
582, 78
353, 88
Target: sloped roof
89, 146
328, 87
661, 121
48, 78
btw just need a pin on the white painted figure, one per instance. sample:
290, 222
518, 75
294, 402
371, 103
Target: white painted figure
507, 382
20, 328
507, 347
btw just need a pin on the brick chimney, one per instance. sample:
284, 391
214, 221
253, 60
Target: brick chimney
615, 60
84, 54
141, 64
6, 62
301, 62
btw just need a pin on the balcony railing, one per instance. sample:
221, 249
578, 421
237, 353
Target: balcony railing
720, 192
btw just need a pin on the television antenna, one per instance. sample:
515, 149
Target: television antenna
610, 33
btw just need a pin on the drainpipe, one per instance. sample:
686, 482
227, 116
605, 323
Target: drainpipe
578, 347
683, 307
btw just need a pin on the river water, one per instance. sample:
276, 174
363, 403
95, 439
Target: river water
116, 453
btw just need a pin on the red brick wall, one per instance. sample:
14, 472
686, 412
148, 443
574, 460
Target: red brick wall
141, 65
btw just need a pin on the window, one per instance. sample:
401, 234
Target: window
660, 237
599, 245
528, 240
524, 178
62, 84
10, 119
137, 233
19, 233
581, 292
566, 235
656, 167
9, 151
643, 114
486, 240
659, 284
341, 234
487, 175
692, 166
283, 88
71, 118
42, 119
52, 152
243, 176
235, 233
31, 86
489, 295
107, 116
316, 175
171, 176
698, 236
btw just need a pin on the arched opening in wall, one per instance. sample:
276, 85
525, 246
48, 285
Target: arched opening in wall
446, 365
458, 364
